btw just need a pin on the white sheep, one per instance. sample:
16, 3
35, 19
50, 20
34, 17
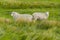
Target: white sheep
40, 15
25, 17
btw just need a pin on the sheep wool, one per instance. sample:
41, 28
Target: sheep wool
40, 15
24, 17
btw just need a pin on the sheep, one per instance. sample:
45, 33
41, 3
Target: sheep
20, 17
40, 15
15, 15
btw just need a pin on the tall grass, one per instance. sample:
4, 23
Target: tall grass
24, 5
45, 30
40, 30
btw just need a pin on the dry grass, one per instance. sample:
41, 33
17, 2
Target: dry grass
5, 20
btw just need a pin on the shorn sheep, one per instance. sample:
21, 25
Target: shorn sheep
40, 15
20, 17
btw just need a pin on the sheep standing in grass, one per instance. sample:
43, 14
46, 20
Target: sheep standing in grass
40, 15
20, 17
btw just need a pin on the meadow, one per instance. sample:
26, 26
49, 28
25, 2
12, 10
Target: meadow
40, 30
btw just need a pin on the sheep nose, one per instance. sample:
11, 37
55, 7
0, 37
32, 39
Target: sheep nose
11, 14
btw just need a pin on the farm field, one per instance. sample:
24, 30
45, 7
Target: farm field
40, 30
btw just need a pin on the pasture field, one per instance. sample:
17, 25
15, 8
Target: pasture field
40, 30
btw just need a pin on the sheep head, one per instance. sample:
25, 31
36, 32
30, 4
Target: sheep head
14, 13
47, 13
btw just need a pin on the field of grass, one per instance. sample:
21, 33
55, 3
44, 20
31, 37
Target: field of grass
40, 30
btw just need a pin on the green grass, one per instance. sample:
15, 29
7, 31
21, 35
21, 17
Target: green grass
29, 4
40, 30
48, 30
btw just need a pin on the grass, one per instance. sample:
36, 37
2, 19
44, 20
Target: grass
40, 30
48, 30
27, 4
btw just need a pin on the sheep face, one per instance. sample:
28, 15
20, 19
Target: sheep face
13, 13
47, 13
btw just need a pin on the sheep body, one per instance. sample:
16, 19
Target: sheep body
24, 17
40, 15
